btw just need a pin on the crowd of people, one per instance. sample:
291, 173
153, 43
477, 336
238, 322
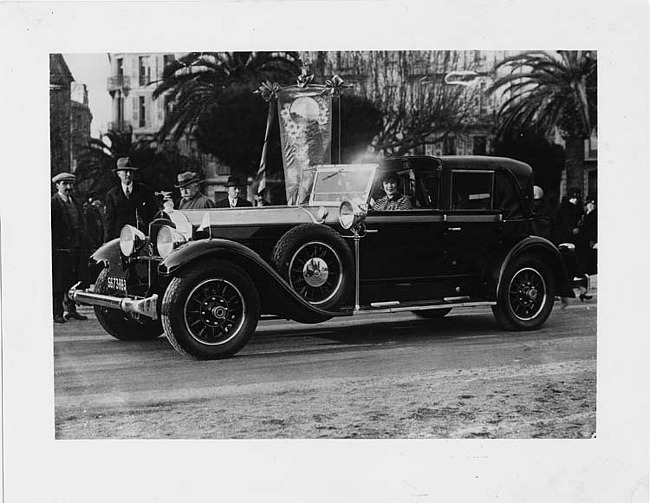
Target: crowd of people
80, 228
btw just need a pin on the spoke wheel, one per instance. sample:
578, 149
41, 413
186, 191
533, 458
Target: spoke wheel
210, 310
526, 294
317, 264
316, 272
214, 311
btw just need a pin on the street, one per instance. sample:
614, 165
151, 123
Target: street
371, 376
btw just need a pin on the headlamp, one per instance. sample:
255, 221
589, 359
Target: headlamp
131, 240
168, 240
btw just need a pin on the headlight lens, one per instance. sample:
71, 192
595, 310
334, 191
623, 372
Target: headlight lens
168, 240
346, 215
131, 239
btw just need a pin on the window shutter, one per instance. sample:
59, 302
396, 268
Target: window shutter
136, 109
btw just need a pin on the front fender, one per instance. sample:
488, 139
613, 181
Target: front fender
108, 254
276, 294
539, 246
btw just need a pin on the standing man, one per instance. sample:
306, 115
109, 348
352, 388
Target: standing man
130, 202
68, 247
234, 199
569, 216
191, 196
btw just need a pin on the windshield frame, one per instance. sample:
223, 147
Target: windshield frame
332, 170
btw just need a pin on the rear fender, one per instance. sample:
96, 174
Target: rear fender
535, 245
276, 294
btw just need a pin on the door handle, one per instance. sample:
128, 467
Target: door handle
454, 229
372, 231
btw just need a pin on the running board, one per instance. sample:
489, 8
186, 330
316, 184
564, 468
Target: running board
396, 307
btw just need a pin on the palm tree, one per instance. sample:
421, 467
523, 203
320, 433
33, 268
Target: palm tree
547, 92
197, 82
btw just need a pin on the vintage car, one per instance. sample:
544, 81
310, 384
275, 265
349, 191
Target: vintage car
204, 277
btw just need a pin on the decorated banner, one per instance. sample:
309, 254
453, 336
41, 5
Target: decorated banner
305, 114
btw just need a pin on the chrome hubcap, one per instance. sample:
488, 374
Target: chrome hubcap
315, 272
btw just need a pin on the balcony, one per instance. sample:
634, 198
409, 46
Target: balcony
118, 82
120, 126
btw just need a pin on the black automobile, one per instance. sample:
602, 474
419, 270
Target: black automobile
204, 277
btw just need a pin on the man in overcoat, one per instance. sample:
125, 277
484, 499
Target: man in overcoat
69, 247
234, 199
130, 202
191, 197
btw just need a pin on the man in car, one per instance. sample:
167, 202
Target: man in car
191, 197
130, 202
234, 199
394, 199
68, 247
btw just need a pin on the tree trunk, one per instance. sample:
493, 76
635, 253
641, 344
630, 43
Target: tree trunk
575, 164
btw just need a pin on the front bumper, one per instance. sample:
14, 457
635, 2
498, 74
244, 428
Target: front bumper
143, 306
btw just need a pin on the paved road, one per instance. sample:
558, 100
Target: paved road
103, 385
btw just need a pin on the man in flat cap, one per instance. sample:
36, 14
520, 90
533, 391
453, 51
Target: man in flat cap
130, 202
234, 199
191, 196
69, 261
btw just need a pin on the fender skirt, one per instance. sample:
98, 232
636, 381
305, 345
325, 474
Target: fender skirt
276, 294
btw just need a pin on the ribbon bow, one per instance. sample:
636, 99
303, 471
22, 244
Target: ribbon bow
336, 85
304, 79
268, 90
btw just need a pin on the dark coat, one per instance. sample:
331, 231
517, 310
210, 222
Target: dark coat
241, 203
69, 249
121, 211
568, 218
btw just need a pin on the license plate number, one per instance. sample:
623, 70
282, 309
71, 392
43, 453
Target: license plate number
117, 284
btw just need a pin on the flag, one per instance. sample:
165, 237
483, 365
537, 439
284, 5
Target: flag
305, 114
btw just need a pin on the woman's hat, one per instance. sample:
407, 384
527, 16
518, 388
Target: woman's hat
186, 178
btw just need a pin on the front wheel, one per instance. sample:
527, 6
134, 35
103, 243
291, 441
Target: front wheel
526, 294
123, 326
210, 311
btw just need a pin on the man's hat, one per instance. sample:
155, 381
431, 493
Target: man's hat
64, 177
123, 165
235, 181
575, 192
185, 179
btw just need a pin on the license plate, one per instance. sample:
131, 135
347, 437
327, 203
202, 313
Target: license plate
117, 284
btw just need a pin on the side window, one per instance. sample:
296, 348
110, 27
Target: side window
426, 190
472, 190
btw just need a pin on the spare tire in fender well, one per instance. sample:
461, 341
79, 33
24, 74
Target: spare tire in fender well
276, 296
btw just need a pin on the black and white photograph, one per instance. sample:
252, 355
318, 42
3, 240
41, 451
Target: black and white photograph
423, 244
396, 260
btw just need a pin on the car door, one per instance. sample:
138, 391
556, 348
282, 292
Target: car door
401, 251
472, 224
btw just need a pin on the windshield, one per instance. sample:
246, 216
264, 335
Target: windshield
332, 184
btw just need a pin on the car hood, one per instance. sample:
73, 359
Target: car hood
255, 216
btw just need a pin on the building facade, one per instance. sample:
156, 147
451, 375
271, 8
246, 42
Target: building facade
60, 115
133, 79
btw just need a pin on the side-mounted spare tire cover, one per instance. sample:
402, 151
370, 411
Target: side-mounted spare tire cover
317, 263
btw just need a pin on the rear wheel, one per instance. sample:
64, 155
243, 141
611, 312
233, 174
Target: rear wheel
123, 326
210, 311
432, 314
526, 294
